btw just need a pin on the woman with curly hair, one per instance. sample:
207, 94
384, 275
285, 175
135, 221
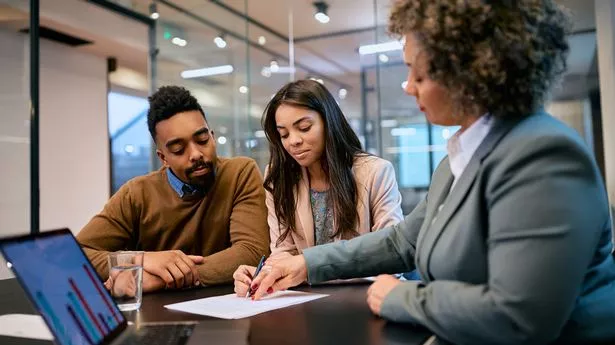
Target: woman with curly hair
513, 241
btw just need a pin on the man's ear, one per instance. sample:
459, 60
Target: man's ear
162, 158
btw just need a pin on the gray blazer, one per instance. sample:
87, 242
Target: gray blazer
519, 251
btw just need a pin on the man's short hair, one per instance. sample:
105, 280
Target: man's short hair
167, 102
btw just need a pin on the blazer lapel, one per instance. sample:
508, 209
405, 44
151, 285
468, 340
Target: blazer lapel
439, 219
304, 209
440, 187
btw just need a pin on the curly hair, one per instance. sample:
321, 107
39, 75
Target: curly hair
167, 102
498, 55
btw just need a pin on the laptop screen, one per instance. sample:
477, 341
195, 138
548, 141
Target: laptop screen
64, 287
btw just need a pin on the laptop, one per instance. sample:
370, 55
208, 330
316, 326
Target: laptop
66, 291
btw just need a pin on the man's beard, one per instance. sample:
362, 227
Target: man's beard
202, 182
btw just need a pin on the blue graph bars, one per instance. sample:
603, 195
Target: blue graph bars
93, 314
83, 319
54, 318
84, 333
105, 297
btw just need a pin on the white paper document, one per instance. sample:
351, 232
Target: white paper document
233, 307
24, 326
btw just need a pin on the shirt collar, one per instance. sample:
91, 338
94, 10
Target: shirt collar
461, 146
178, 185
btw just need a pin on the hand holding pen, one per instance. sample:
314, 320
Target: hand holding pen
258, 270
244, 276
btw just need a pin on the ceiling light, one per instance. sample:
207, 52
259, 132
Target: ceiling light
342, 93
380, 47
243, 89
179, 41
206, 72
273, 66
383, 58
321, 12
221, 140
153, 11
404, 84
262, 40
220, 41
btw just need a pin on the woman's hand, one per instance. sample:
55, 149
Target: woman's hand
379, 290
282, 275
243, 278
273, 258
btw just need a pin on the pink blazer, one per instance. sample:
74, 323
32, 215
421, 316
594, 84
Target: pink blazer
379, 205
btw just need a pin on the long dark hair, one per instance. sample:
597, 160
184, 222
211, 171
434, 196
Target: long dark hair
341, 147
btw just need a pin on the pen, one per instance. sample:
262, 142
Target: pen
258, 269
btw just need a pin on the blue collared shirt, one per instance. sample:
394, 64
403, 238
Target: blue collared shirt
178, 185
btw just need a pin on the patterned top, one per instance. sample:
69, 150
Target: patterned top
323, 217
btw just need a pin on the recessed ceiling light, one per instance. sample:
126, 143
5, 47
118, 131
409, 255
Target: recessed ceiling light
220, 41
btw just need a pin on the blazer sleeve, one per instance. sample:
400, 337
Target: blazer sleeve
385, 199
541, 239
275, 229
390, 250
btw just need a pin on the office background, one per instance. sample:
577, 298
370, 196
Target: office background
98, 60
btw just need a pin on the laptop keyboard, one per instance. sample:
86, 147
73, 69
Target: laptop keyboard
176, 334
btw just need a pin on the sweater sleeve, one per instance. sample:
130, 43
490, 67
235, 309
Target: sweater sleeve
110, 230
249, 234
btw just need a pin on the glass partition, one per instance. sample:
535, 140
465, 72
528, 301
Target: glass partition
15, 145
269, 43
15, 119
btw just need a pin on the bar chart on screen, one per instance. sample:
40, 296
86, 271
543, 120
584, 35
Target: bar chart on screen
65, 289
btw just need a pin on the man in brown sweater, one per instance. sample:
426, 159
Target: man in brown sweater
197, 218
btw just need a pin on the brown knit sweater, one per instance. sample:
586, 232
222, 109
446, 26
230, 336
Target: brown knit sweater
228, 226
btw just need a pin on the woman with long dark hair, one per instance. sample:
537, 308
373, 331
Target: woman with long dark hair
321, 186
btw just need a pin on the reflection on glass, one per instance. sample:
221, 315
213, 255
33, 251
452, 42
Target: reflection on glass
131, 143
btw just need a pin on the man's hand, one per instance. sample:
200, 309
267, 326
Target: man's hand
379, 290
152, 282
121, 284
174, 267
